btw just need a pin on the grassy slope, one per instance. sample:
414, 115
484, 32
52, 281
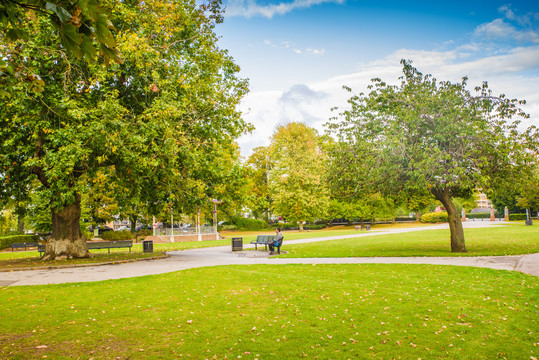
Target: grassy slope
278, 312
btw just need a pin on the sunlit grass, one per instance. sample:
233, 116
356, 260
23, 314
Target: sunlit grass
30, 259
279, 312
512, 240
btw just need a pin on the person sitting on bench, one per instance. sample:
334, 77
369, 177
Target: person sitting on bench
276, 243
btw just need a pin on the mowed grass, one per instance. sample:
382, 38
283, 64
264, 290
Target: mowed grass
511, 240
30, 259
279, 312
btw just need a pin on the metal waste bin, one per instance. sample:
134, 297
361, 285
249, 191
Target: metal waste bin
367, 227
237, 244
147, 246
529, 222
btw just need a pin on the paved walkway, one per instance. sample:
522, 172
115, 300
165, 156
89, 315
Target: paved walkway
215, 256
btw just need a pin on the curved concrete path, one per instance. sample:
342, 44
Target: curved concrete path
215, 256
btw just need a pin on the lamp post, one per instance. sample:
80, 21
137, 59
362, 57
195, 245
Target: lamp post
215, 202
171, 224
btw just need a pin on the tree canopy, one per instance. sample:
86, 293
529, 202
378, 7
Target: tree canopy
297, 178
431, 135
155, 124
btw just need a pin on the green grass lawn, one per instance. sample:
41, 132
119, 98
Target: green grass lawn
511, 240
30, 259
279, 312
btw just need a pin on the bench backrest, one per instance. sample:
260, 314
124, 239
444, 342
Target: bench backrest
30, 244
265, 238
110, 244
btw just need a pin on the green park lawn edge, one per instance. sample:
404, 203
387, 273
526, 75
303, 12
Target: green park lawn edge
279, 312
491, 241
22, 260
516, 239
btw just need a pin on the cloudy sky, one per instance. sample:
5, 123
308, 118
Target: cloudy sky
297, 54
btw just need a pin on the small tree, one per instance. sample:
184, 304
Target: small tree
297, 178
260, 163
436, 136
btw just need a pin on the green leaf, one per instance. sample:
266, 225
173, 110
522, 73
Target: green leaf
17, 34
62, 13
102, 30
71, 39
110, 54
88, 48
93, 9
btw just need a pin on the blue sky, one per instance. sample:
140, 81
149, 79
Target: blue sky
297, 54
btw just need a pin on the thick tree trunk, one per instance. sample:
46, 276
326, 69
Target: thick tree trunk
66, 241
133, 220
455, 223
417, 216
20, 223
300, 225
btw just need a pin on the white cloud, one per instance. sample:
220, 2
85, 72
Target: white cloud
250, 8
499, 29
311, 103
508, 13
513, 26
316, 51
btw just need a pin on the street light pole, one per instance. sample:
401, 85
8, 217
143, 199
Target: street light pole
215, 202
171, 224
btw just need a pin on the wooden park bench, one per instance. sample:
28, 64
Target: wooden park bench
263, 240
23, 245
100, 245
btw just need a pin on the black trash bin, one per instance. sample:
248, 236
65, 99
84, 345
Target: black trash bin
147, 246
237, 244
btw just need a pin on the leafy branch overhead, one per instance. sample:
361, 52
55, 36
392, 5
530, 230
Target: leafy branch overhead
82, 25
81, 29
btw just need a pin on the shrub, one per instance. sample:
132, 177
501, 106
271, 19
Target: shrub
117, 235
404, 218
291, 226
285, 226
315, 226
228, 227
144, 233
478, 216
249, 224
517, 217
6, 241
435, 218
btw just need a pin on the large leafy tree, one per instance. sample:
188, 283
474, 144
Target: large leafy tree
429, 135
297, 178
150, 122
261, 164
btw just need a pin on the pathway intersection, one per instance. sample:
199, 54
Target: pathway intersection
223, 255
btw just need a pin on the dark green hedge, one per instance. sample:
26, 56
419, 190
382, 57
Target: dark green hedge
290, 226
116, 235
517, 217
6, 241
249, 224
